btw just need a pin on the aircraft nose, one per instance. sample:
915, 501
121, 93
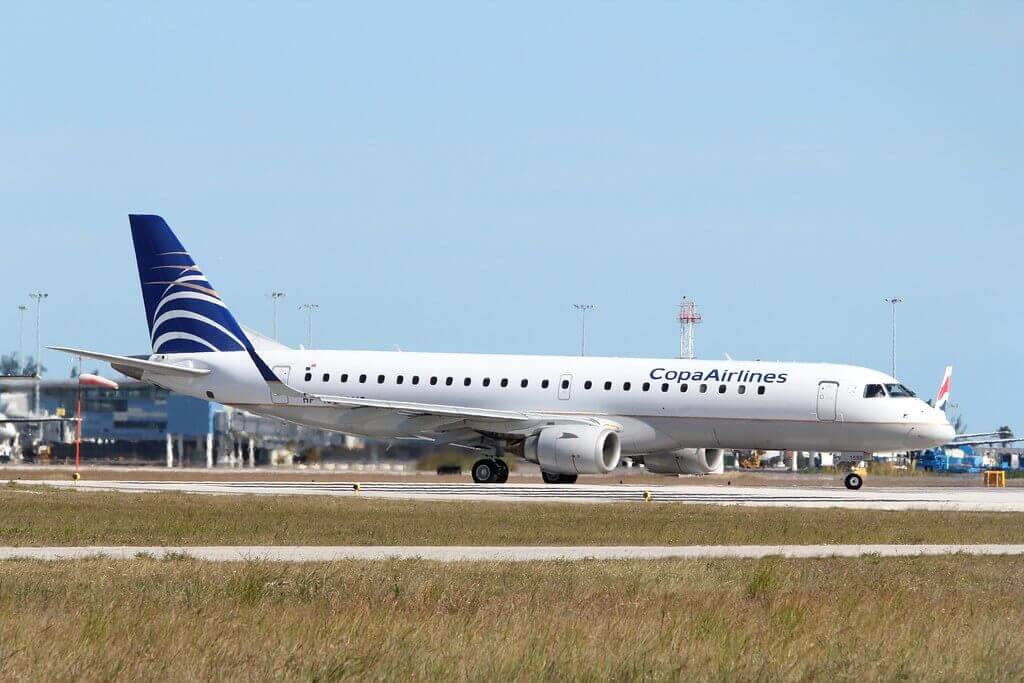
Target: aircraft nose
930, 435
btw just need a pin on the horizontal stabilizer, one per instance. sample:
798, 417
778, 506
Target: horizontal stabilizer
148, 366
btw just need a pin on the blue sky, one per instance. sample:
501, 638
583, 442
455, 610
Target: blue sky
453, 177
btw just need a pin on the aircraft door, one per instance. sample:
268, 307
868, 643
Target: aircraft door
282, 372
564, 387
828, 392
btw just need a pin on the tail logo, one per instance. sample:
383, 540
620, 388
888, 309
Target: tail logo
942, 398
185, 313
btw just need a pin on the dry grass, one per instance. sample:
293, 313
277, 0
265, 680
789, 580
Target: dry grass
40, 516
950, 618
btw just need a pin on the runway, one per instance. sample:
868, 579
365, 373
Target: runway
495, 553
887, 498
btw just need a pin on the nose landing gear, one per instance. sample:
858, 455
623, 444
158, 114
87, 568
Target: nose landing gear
853, 480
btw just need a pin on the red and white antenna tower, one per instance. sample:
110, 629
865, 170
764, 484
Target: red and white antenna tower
688, 317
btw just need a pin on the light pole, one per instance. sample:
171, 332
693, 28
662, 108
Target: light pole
274, 297
583, 308
21, 337
40, 297
892, 301
309, 322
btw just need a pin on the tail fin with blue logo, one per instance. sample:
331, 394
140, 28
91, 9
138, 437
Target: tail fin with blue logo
184, 312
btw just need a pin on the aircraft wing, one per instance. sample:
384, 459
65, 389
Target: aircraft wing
467, 413
978, 435
129, 363
35, 420
983, 442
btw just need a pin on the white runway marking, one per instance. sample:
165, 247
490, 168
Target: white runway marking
496, 553
903, 498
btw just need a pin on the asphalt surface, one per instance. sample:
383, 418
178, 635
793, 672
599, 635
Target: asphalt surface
495, 553
888, 498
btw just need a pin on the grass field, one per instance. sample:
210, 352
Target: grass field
39, 516
951, 618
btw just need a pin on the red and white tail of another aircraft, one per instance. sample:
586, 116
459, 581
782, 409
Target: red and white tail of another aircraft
942, 398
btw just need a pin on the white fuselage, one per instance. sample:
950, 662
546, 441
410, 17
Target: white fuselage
661, 404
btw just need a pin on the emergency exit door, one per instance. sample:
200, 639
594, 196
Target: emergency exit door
828, 392
564, 387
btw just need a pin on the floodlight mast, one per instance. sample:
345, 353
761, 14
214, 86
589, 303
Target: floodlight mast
583, 308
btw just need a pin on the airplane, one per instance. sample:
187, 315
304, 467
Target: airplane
9, 431
569, 415
1002, 437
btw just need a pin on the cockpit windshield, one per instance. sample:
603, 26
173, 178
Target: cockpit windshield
874, 391
899, 391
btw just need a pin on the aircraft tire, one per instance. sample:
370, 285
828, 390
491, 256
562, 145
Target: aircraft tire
485, 471
552, 478
502, 471
853, 481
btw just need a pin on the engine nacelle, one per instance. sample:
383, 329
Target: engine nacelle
574, 449
685, 461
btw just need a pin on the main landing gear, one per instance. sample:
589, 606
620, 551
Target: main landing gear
853, 481
490, 471
552, 478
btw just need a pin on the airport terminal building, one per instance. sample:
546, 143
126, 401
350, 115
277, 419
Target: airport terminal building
138, 423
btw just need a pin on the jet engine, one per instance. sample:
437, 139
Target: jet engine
685, 461
574, 449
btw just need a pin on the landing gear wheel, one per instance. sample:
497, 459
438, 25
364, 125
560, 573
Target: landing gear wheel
502, 471
552, 478
853, 481
485, 471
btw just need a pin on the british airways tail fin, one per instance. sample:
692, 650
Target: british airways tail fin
184, 312
942, 398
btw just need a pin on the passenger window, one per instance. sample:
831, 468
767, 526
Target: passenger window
683, 387
344, 377
664, 386
721, 388
415, 379
588, 384
399, 379
646, 386
327, 377
760, 391
380, 379
524, 383
741, 389
448, 381
362, 379
466, 382
487, 381
703, 388
433, 381
309, 376
504, 381
874, 391
565, 384
544, 384
626, 386
607, 386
